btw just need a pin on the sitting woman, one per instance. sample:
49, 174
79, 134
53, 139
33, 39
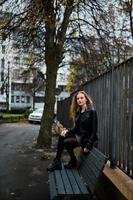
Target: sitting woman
83, 134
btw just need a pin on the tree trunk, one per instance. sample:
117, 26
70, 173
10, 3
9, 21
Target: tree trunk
54, 45
45, 133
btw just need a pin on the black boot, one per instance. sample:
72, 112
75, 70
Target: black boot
72, 164
55, 165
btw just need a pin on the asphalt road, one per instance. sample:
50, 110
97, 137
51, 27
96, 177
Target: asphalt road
23, 174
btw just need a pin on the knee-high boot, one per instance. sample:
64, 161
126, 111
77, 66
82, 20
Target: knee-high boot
56, 164
73, 160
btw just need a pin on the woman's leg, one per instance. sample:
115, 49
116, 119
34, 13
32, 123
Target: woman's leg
60, 147
56, 164
70, 144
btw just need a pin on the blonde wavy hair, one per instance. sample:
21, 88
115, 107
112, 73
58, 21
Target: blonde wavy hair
74, 108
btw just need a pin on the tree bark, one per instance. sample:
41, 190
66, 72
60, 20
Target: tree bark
44, 137
45, 132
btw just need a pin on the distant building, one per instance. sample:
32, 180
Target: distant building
15, 91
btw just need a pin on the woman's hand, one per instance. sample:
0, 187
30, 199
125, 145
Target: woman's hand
63, 132
86, 150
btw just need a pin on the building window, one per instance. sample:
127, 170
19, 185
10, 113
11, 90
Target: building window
17, 99
16, 73
22, 99
28, 99
12, 99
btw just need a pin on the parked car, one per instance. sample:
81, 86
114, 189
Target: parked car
36, 115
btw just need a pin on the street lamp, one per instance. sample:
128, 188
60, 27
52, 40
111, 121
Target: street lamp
9, 88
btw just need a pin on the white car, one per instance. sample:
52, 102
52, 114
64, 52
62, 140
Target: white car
36, 115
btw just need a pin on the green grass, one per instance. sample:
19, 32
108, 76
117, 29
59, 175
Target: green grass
10, 115
7, 118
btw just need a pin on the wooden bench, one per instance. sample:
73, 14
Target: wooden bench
78, 183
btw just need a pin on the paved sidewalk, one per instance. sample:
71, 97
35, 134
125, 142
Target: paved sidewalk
23, 174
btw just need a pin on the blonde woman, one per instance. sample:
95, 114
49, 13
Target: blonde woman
84, 132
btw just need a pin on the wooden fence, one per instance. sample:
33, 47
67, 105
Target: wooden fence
112, 94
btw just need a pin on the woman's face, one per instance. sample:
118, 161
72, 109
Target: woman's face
81, 100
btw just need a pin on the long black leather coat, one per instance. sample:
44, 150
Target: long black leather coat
85, 128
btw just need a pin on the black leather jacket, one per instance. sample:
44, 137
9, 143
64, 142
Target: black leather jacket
85, 128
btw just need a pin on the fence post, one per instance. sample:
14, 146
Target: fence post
112, 136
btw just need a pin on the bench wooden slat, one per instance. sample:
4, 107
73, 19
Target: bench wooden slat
66, 181
53, 191
60, 189
91, 158
98, 162
80, 181
99, 154
73, 182
90, 179
91, 167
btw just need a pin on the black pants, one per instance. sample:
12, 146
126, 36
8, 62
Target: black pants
69, 142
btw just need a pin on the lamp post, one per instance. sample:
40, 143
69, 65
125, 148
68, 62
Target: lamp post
9, 88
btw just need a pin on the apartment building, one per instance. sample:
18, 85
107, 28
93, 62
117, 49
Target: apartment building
16, 90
